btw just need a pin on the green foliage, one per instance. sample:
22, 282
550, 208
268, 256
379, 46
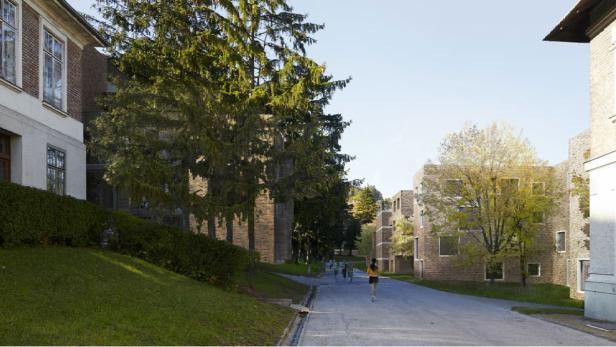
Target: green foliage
402, 237
490, 187
77, 296
581, 189
365, 240
364, 203
29, 216
546, 310
34, 217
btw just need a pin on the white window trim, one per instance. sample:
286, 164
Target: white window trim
447, 255
578, 272
18, 48
556, 241
485, 278
531, 188
529, 275
46, 25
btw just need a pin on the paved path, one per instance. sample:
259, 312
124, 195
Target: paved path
407, 314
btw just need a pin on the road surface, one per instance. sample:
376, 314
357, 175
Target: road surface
408, 314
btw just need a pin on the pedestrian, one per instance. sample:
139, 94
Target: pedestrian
336, 265
350, 271
344, 270
373, 278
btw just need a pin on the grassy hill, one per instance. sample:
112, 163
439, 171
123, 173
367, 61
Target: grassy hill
76, 296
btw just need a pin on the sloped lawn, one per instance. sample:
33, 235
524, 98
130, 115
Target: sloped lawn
72, 296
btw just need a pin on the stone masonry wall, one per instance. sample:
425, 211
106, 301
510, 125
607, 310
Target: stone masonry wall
577, 240
264, 225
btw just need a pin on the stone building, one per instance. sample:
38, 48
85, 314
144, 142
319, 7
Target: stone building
594, 22
437, 256
401, 208
45, 50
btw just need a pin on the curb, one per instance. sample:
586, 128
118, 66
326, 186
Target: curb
292, 333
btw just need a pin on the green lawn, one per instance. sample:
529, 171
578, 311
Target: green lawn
546, 310
544, 293
266, 285
70, 296
299, 269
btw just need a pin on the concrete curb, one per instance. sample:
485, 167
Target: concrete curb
292, 333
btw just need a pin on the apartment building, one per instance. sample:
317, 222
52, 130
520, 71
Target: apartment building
45, 45
594, 22
400, 261
382, 236
438, 256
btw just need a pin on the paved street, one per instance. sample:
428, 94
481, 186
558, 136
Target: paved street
406, 314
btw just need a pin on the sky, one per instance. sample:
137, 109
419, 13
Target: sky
422, 69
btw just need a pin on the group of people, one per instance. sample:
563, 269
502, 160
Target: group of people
347, 271
345, 268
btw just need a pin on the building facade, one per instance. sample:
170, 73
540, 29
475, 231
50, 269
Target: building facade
437, 256
594, 22
45, 44
401, 208
382, 237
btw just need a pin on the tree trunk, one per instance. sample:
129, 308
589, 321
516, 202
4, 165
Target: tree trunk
523, 271
251, 230
229, 229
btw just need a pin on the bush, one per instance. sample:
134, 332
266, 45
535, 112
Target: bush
31, 217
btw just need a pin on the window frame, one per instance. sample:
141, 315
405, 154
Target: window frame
578, 273
509, 179
542, 217
45, 25
485, 272
416, 247
18, 30
47, 166
564, 241
445, 194
538, 269
532, 188
457, 248
6, 156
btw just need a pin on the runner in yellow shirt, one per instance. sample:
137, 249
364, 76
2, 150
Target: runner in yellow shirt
373, 278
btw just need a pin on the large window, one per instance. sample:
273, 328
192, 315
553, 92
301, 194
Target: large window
56, 170
498, 272
534, 269
448, 245
582, 274
560, 241
453, 187
53, 67
5, 158
510, 185
9, 40
416, 248
538, 217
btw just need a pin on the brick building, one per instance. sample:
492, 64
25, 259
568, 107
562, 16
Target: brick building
399, 206
45, 50
594, 22
437, 256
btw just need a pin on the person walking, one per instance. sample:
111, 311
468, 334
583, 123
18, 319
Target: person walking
344, 270
373, 278
350, 271
336, 268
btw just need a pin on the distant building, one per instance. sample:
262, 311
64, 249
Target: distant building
45, 70
399, 206
594, 22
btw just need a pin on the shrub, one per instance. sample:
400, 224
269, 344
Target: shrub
32, 217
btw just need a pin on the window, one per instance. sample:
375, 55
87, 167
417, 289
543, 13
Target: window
5, 158
560, 241
8, 22
498, 273
421, 219
534, 270
538, 188
470, 220
453, 188
56, 170
416, 248
510, 185
448, 245
537, 217
582, 274
53, 67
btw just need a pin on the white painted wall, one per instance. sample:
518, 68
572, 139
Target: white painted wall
29, 147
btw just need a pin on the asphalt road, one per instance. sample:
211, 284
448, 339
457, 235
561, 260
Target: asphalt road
407, 314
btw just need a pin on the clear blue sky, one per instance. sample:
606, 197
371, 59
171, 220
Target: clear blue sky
422, 69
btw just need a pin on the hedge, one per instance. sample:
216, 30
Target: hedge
32, 217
